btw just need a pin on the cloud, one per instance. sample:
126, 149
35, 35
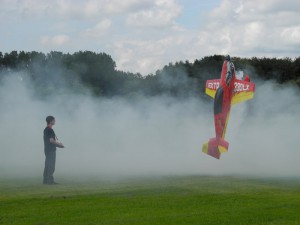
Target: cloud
66, 9
99, 30
241, 28
126, 6
291, 35
253, 28
151, 53
144, 35
57, 40
163, 13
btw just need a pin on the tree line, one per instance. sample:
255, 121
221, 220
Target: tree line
82, 71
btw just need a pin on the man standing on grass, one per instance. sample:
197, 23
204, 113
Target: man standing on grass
50, 144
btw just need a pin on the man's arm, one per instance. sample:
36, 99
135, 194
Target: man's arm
57, 143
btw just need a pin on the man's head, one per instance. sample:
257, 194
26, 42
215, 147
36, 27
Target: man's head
50, 120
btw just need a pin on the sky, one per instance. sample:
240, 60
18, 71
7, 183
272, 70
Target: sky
144, 35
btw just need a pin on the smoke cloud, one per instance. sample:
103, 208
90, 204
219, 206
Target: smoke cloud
117, 137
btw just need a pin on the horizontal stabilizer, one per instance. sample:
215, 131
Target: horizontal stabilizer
215, 147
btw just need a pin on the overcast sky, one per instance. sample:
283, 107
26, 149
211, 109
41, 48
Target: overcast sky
144, 35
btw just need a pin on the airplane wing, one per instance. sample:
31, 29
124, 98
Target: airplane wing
243, 90
212, 86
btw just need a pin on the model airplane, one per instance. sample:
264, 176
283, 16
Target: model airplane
226, 91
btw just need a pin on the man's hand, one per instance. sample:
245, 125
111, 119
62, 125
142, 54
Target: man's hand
59, 144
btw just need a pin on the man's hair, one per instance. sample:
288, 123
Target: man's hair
49, 119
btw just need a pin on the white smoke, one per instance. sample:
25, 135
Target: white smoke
147, 136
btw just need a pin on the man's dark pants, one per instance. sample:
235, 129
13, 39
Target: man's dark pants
49, 167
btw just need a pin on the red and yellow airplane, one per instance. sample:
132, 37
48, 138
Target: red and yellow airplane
226, 91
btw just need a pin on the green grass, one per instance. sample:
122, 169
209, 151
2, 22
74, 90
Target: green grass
164, 200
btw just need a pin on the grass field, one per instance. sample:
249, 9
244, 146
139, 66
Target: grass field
160, 200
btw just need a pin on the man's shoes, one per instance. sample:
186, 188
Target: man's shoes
53, 183
50, 183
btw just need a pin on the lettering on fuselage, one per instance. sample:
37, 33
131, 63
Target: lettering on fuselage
213, 85
241, 87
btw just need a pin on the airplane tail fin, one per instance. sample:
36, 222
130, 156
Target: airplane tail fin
215, 147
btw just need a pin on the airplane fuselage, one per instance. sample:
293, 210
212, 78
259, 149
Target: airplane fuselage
222, 103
